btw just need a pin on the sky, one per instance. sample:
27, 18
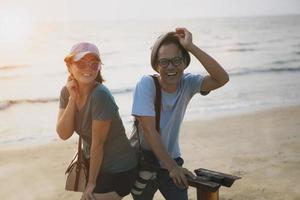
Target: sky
69, 10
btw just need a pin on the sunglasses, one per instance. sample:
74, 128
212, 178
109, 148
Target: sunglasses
164, 62
82, 64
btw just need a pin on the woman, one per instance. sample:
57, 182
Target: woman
88, 108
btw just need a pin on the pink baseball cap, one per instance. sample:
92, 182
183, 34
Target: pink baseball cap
81, 49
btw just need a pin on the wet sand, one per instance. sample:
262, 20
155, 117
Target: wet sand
261, 147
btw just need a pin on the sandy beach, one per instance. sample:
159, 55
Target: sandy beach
261, 147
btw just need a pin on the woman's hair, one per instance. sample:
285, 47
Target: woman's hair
99, 78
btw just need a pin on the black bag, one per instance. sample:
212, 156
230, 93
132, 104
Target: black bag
147, 159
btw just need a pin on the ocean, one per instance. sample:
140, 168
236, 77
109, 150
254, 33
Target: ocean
261, 55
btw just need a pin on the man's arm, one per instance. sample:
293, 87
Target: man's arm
217, 75
154, 140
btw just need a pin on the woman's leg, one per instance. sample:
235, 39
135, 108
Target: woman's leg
107, 196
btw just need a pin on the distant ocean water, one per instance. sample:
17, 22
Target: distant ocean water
261, 54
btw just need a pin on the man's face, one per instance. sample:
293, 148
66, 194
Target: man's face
170, 64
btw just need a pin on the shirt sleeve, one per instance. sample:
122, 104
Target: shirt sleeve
103, 105
194, 83
63, 98
143, 97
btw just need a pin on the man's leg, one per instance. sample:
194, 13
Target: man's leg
168, 189
148, 192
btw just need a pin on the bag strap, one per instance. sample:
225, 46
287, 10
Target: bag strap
79, 149
79, 160
157, 104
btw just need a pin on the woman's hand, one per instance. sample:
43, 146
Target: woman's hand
88, 193
185, 37
72, 87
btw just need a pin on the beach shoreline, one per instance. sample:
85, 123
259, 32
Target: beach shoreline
262, 147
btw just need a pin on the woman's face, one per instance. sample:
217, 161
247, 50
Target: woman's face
86, 69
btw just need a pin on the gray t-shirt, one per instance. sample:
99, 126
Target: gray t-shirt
100, 105
173, 108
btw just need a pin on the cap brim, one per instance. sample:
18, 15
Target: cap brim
80, 55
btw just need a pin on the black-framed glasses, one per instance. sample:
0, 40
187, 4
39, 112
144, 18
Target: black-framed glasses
164, 62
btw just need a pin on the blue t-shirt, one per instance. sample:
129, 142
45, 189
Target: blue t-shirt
173, 108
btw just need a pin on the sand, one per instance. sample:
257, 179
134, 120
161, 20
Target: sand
262, 147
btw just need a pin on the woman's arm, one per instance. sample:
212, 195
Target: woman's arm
100, 131
66, 117
65, 120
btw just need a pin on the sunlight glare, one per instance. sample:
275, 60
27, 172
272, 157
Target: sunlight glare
15, 27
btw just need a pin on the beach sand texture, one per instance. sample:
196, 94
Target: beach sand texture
261, 147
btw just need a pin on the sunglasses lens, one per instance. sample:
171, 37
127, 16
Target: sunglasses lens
80, 64
95, 65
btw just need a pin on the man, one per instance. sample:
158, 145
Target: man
170, 57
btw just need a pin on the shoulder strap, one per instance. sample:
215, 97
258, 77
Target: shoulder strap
79, 149
157, 103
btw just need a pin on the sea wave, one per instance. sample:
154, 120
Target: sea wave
246, 71
282, 62
246, 43
274, 40
240, 72
8, 103
240, 49
297, 52
12, 102
11, 67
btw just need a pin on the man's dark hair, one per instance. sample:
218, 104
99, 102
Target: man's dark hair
171, 39
168, 38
